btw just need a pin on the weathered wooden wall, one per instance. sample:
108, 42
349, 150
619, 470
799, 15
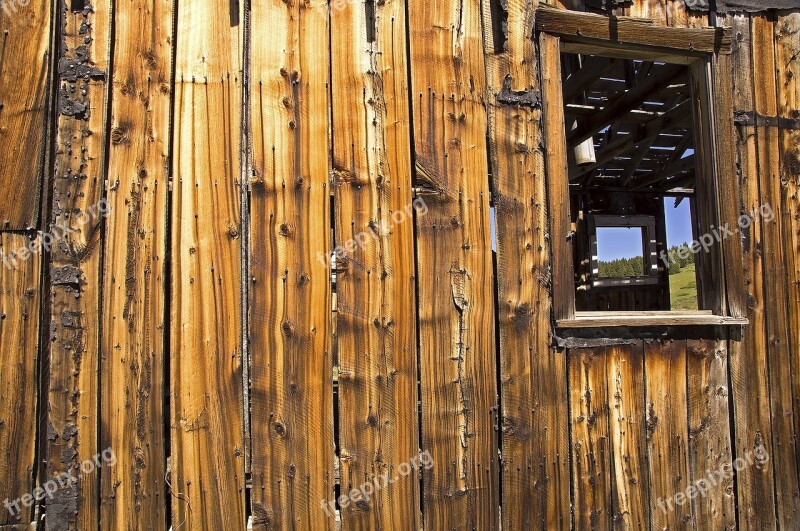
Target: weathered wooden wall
194, 329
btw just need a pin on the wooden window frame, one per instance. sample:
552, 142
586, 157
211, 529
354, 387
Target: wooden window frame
706, 53
647, 224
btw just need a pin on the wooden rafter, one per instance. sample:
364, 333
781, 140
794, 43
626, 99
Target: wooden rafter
589, 73
683, 165
676, 117
629, 101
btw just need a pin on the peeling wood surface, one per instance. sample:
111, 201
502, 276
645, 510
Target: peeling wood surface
20, 296
290, 288
455, 286
72, 424
375, 281
133, 330
25, 64
206, 475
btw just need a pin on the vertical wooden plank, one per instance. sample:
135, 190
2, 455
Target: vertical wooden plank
290, 289
787, 59
748, 354
24, 86
207, 465
709, 433
132, 369
558, 203
591, 452
375, 281
456, 319
533, 375
667, 433
711, 277
20, 296
776, 301
727, 182
628, 439
75, 274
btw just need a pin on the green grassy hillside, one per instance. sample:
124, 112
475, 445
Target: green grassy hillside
683, 289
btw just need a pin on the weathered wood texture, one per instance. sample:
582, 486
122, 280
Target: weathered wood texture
748, 355
591, 454
456, 318
20, 296
667, 434
535, 445
709, 432
75, 272
132, 375
206, 476
628, 442
787, 64
779, 355
25, 64
555, 143
143, 312
634, 31
290, 288
375, 282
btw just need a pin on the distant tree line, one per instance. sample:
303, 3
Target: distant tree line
622, 267
678, 257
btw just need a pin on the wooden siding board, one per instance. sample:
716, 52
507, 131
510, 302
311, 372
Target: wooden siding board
535, 460
776, 301
627, 420
667, 433
132, 337
727, 182
290, 290
787, 59
25, 80
591, 448
375, 280
75, 274
747, 355
709, 433
206, 476
558, 204
456, 319
20, 296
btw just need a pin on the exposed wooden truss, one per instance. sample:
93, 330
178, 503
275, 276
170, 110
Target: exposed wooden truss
637, 114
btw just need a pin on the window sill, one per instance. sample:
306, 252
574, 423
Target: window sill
640, 319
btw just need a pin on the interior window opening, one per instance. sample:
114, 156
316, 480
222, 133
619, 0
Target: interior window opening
632, 183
